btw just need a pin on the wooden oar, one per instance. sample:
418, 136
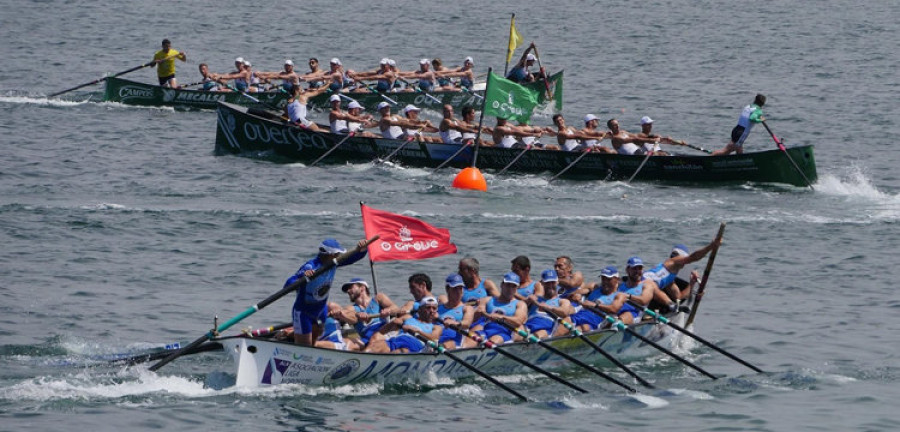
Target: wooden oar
141, 358
400, 147
696, 147
575, 331
583, 154
515, 159
324, 155
247, 95
99, 80
191, 84
419, 90
439, 349
461, 148
271, 299
616, 324
532, 338
472, 93
544, 75
784, 150
646, 158
666, 321
488, 344
709, 264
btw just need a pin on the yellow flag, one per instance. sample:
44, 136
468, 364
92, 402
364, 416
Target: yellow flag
514, 38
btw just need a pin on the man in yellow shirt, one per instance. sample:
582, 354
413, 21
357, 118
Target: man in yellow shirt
165, 58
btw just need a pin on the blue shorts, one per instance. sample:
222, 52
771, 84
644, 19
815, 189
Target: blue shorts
635, 313
369, 331
407, 341
584, 316
305, 317
493, 329
540, 323
450, 334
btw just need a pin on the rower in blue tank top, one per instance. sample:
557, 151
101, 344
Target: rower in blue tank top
603, 296
504, 308
423, 324
540, 323
473, 295
637, 289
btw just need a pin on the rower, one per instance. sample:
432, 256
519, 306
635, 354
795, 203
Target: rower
627, 143
476, 288
443, 81
289, 78
520, 73
509, 136
503, 308
241, 76
314, 78
296, 111
570, 279
366, 314
425, 76
453, 312
342, 122
338, 76
424, 324
603, 296
540, 323
209, 83
638, 289
332, 334
665, 273
521, 266
411, 112
391, 126
592, 135
419, 287
647, 132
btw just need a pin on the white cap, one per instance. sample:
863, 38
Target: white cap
589, 117
646, 120
336, 61
469, 59
409, 108
246, 63
392, 62
384, 61
334, 98
530, 57
239, 60
382, 105
289, 62
423, 61
354, 104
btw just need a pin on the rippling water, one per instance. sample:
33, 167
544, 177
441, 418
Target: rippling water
121, 231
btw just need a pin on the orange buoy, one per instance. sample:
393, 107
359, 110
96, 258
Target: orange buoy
470, 178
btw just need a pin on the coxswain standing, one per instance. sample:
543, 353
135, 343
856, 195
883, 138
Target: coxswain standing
164, 62
750, 115
311, 306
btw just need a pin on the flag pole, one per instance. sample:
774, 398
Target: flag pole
371, 263
512, 23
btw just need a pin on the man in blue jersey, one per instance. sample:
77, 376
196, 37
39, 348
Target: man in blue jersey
636, 287
520, 73
424, 323
476, 288
521, 266
365, 313
750, 115
311, 307
665, 273
603, 296
504, 308
569, 279
453, 312
540, 323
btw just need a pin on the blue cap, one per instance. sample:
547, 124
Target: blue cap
549, 275
609, 272
455, 280
511, 278
331, 246
681, 250
635, 262
347, 285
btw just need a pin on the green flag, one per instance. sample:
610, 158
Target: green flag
506, 99
552, 102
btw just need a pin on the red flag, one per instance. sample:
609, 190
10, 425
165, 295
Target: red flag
403, 237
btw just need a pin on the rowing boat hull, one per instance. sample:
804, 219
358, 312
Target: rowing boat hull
242, 130
135, 93
265, 362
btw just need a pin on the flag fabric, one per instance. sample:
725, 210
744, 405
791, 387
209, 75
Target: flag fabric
506, 99
549, 104
514, 39
403, 237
